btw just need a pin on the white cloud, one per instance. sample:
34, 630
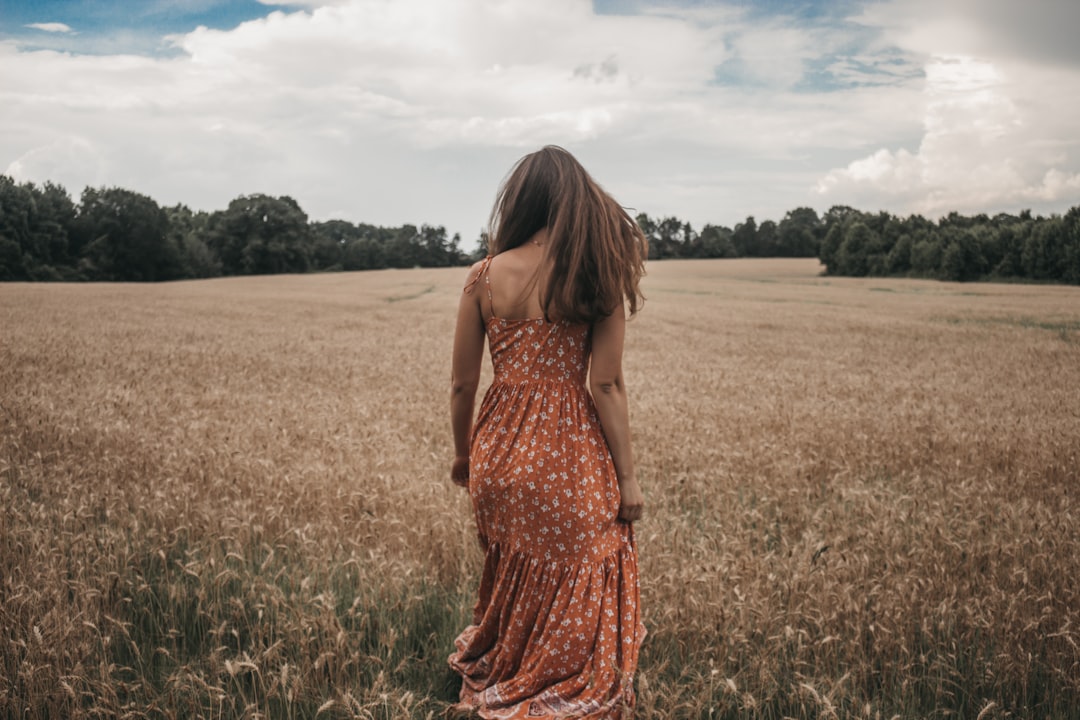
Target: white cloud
302, 102
1042, 31
995, 125
53, 27
413, 110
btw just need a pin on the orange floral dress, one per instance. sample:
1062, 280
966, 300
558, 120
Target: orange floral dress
556, 630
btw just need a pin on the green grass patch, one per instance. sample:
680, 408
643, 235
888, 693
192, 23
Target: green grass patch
1067, 330
206, 633
411, 296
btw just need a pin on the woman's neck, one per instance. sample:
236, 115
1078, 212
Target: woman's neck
539, 238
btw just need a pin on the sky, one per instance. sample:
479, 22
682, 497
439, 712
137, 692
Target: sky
413, 111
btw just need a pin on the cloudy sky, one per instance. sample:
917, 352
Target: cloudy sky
395, 111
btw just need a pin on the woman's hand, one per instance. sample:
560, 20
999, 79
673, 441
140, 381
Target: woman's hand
632, 500
459, 471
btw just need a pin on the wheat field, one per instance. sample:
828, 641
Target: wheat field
230, 498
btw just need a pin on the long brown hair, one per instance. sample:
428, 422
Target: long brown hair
596, 250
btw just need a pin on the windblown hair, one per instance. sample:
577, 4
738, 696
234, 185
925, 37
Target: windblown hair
596, 251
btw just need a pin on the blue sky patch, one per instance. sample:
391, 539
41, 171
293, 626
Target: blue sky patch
111, 26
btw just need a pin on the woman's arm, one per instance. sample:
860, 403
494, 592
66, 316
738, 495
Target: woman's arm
465, 376
609, 395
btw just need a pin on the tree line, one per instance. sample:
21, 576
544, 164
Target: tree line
855, 243
115, 234
798, 234
118, 235
956, 247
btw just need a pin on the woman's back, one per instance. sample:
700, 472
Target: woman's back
514, 279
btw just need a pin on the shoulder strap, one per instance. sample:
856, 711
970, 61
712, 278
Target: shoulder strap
479, 273
483, 272
487, 285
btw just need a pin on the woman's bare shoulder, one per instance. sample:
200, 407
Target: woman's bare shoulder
475, 272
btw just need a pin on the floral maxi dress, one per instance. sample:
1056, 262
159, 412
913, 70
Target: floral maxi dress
556, 629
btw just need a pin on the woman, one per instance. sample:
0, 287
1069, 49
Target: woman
548, 464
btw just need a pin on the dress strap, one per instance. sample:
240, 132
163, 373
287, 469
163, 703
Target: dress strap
483, 272
487, 286
479, 274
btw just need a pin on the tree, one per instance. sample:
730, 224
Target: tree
55, 215
438, 250
898, 260
261, 235
961, 259
745, 237
1070, 260
768, 240
123, 236
851, 257
648, 229
1012, 233
876, 253
839, 215
799, 233
925, 255
363, 253
715, 242
669, 237
329, 239
830, 246
15, 210
1043, 248
34, 226
189, 233
403, 250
